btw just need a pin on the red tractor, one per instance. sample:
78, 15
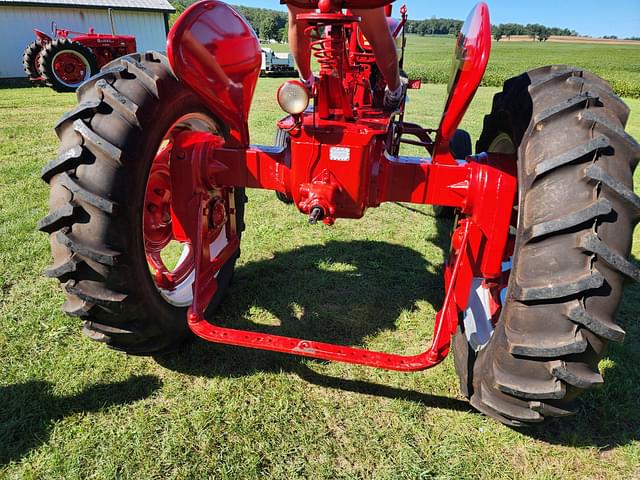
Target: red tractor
157, 155
65, 61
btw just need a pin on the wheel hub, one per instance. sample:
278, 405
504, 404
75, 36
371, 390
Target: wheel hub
70, 67
169, 254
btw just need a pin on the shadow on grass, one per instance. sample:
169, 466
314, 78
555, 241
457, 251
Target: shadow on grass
609, 416
340, 292
28, 410
377, 390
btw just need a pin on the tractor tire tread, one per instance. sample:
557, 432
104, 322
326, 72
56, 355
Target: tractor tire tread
63, 269
59, 218
119, 102
95, 293
82, 193
589, 214
597, 174
553, 329
105, 281
67, 160
589, 242
30, 52
103, 256
95, 143
571, 156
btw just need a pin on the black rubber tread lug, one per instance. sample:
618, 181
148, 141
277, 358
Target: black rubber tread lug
589, 281
67, 160
589, 213
95, 143
514, 412
107, 72
146, 76
604, 92
605, 328
119, 102
571, 103
83, 110
95, 293
562, 72
531, 389
531, 345
106, 257
577, 374
572, 155
59, 218
550, 410
62, 269
594, 172
589, 242
76, 307
624, 138
93, 335
477, 403
108, 329
85, 195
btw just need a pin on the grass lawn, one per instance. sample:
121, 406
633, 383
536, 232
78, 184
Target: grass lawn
72, 409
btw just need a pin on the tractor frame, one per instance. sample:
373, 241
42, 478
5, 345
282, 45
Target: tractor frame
341, 159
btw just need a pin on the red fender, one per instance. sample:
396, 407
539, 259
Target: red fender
216, 53
41, 37
473, 47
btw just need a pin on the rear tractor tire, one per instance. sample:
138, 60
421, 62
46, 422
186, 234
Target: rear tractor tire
122, 270
576, 215
65, 65
30, 60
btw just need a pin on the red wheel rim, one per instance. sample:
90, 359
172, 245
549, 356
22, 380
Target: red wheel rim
70, 68
169, 256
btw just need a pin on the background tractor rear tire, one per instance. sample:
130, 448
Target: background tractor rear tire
99, 182
577, 212
54, 76
30, 60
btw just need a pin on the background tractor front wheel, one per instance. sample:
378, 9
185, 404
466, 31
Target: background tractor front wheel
123, 271
576, 214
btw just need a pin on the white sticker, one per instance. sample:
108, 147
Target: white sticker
340, 154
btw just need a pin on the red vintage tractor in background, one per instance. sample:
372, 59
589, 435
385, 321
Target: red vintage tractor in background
157, 155
69, 58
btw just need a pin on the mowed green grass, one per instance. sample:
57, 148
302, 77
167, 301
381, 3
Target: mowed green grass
429, 58
72, 409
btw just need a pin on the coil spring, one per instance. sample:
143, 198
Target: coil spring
326, 49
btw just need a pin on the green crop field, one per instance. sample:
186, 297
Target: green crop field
72, 409
429, 58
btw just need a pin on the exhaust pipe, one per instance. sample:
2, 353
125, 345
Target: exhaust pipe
113, 25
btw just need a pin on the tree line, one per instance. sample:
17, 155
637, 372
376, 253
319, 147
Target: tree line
533, 30
268, 24
272, 25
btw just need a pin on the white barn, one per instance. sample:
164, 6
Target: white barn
148, 20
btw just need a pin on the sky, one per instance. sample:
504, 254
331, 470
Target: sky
588, 17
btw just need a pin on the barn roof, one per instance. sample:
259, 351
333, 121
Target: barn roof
148, 5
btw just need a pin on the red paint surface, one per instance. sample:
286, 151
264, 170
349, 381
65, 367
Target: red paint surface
337, 161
